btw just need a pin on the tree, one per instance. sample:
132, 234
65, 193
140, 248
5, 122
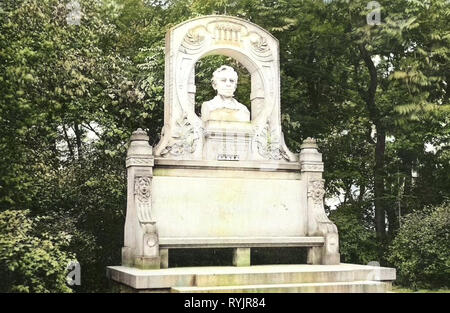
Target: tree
30, 260
420, 250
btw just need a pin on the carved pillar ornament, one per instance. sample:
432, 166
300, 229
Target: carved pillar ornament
141, 246
142, 191
329, 253
316, 192
318, 222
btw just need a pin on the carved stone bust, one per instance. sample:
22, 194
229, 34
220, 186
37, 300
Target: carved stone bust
224, 107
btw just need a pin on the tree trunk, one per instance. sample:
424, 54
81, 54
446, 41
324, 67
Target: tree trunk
69, 145
407, 191
379, 194
362, 191
77, 131
380, 146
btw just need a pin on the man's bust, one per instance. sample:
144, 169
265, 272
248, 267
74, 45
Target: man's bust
224, 107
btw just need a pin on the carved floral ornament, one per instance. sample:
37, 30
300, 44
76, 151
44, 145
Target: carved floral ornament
152, 240
225, 32
316, 191
184, 140
193, 41
268, 144
194, 38
230, 27
260, 44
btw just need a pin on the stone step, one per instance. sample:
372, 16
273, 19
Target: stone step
336, 287
244, 276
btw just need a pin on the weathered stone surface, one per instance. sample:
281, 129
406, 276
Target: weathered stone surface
260, 278
241, 257
228, 207
227, 138
334, 287
242, 242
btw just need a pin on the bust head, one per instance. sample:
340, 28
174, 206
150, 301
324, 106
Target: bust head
224, 81
224, 107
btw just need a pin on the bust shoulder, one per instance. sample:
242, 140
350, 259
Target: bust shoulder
217, 109
241, 106
214, 103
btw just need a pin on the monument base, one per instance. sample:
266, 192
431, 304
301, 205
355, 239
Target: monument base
305, 278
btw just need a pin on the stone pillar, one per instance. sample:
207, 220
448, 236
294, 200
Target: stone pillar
141, 248
318, 222
164, 255
241, 257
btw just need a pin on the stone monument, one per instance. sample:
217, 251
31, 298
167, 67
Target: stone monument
225, 179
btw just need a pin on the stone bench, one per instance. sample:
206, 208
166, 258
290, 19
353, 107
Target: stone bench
224, 204
241, 245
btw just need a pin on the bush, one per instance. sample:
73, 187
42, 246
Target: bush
421, 252
357, 242
31, 262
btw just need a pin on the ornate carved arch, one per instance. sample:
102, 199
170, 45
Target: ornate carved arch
244, 41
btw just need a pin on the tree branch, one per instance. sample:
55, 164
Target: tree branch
68, 142
89, 127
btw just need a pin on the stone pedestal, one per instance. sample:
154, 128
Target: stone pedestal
227, 141
343, 278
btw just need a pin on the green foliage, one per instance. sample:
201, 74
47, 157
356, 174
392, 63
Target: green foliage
421, 252
92, 207
55, 77
56, 98
356, 240
31, 261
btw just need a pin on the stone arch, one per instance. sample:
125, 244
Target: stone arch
186, 43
